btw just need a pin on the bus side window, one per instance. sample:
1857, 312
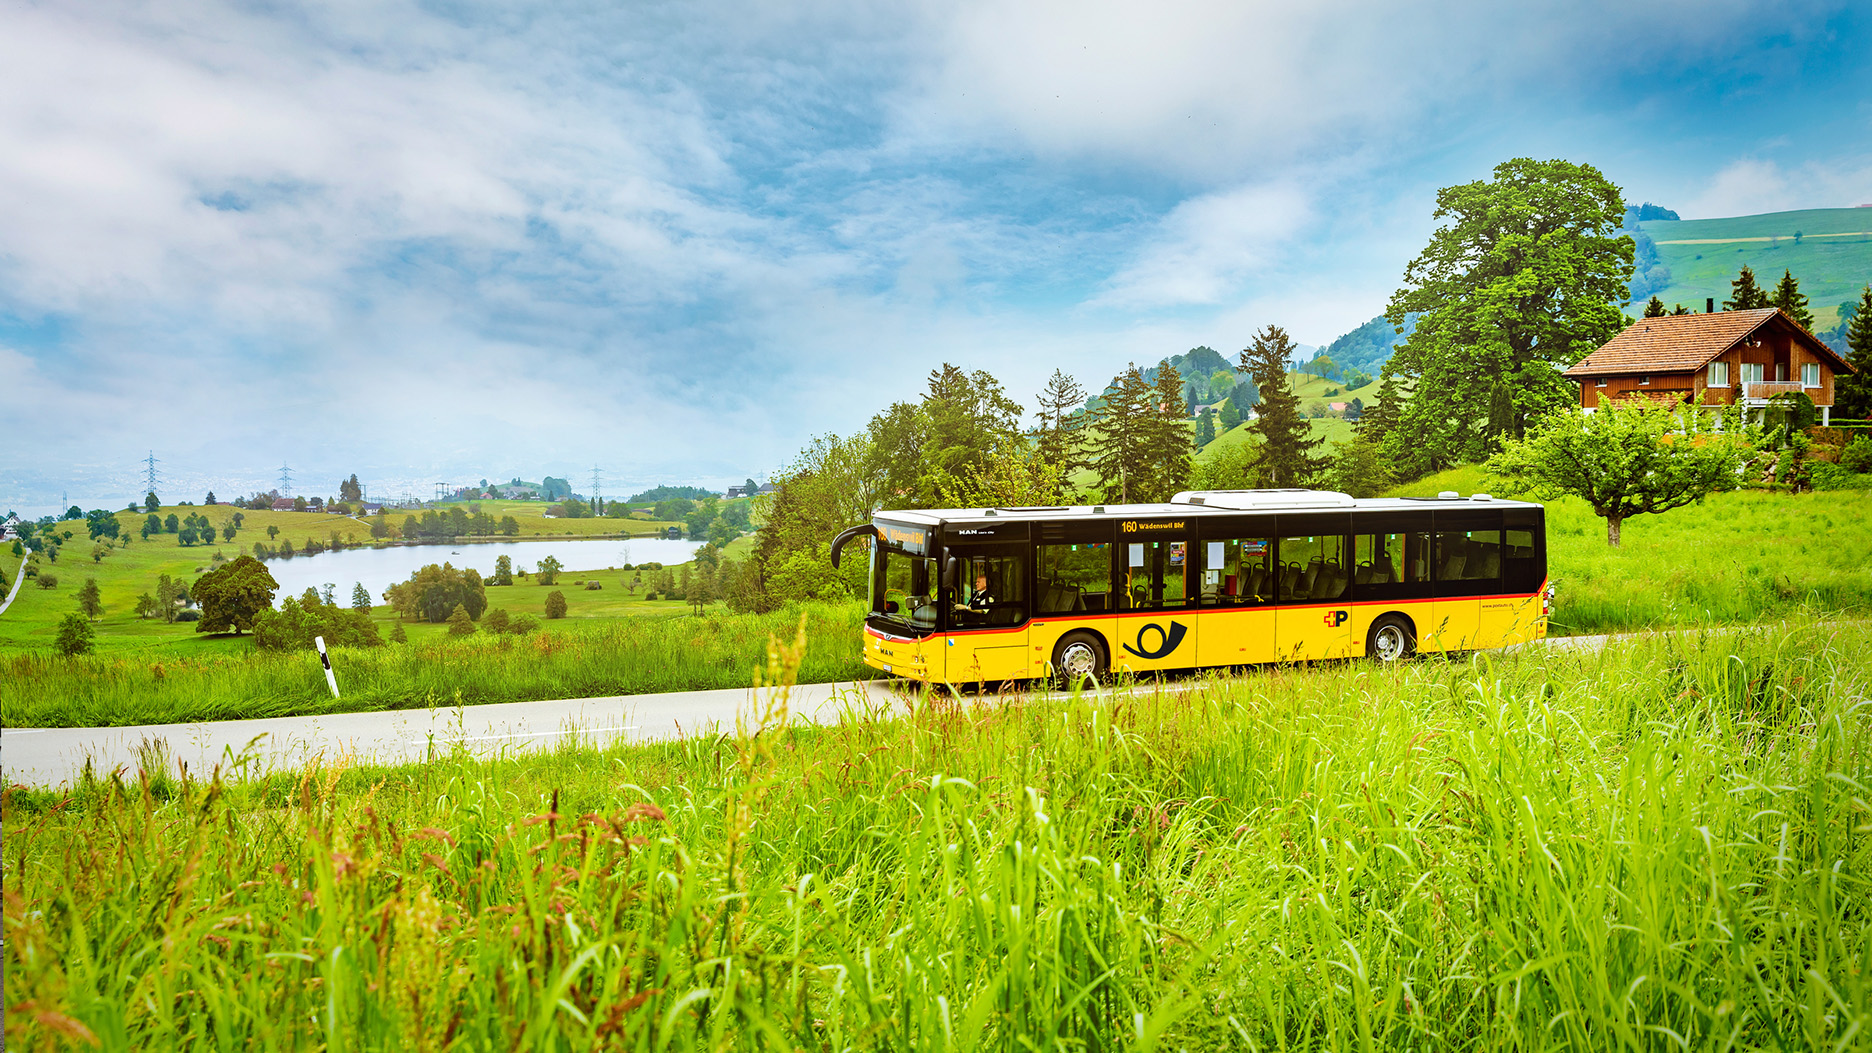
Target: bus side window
1238, 571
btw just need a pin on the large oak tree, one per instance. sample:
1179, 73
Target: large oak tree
1524, 277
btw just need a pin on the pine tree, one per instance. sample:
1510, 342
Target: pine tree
1787, 296
459, 624
1206, 427
1287, 456
398, 634
360, 598
1745, 294
1061, 431
1680, 309
1120, 455
1654, 309
1382, 415
1852, 392
1169, 438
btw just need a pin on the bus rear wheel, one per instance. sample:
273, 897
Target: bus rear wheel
1392, 639
1078, 660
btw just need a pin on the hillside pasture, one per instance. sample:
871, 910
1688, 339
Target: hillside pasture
1833, 259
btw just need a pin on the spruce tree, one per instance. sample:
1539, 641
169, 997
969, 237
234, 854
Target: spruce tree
1745, 295
1287, 456
1787, 296
1120, 453
1654, 309
1168, 462
1852, 392
1382, 415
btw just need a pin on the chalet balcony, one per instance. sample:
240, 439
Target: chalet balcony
1762, 390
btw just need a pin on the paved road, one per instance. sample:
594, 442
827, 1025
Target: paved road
18, 577
51, 756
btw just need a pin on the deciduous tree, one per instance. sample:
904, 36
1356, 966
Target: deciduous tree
1524, 278
74, 636
90, 600
232, 595
549, 569
1632, 456
150, 502
555, 604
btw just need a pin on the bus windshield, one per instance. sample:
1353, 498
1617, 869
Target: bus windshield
903, 589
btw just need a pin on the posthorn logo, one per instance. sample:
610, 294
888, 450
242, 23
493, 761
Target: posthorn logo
1166, 641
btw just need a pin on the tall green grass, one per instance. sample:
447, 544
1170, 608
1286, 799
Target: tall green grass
621, 657
1661, 846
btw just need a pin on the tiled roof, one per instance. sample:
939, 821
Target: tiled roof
1684, 343
1672, 343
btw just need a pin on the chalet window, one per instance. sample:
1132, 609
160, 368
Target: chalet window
1810, 374
1644, 380
1599, 383
1751, 372
1719, 374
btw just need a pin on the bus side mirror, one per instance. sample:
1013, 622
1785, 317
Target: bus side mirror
952, 569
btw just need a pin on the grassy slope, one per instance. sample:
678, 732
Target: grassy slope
1736, 558
1526, 851
1831, 270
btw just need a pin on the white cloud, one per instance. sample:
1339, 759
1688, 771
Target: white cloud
1203, 249
1751, 186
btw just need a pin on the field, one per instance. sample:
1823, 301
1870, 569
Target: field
1833, 259
1661, 846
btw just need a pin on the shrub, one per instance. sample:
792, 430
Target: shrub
459, 624
188, 616
593, 584
397, 634
1857, 456
496, 620
74, 635
523, 624
555, 604
651, 595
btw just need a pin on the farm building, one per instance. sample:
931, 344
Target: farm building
1726, 357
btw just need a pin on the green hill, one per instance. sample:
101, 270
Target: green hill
1828, 249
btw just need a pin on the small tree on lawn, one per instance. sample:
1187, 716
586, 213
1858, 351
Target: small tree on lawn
360, 598
90, 601
398, 634
555, 603
233, 594
1631, 457
459, 624
549, 569
74, 636
503, 571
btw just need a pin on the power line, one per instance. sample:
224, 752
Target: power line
285, 480
596, 474
150, 473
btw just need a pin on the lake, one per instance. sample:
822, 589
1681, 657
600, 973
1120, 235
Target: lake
380, 568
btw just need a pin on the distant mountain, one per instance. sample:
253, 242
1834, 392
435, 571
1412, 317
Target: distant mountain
1368, 347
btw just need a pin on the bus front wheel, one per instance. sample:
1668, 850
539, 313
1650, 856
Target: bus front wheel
1391, 639
1077, 660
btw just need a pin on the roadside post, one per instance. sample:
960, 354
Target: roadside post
325, 660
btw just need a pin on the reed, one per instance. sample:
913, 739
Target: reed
1658, 846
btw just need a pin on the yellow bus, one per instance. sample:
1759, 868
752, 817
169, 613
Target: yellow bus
1209, 579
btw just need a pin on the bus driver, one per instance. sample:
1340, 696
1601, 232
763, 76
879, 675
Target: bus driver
979, 599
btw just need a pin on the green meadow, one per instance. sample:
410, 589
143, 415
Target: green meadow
1832, 258
1661, 846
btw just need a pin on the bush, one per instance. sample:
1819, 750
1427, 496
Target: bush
459, 624
523, 624
555, 604
74, 635
496, 620
651, 595
48, 581
188, 616
1857, 456
593, 584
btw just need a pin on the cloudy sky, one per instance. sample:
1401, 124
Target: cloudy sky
449, 241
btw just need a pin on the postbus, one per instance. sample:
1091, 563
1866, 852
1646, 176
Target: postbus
1209, 579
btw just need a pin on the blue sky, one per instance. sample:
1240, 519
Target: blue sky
447, 241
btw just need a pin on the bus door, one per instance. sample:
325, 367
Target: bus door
1156, 624
1466, 557
986, 611
1073, 591
1236, 588
1313, 587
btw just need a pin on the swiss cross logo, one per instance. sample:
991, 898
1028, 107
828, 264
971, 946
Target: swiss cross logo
1334, 619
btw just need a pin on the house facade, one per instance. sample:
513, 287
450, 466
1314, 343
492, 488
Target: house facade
1724, 357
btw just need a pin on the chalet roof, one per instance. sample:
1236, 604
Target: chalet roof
1684, 343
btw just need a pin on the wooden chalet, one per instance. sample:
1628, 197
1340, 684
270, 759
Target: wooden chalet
1726, 357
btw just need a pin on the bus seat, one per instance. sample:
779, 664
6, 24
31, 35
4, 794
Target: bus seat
1452, 568
1362, 575
1384, 573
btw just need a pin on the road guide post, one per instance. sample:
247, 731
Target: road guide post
325, 660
